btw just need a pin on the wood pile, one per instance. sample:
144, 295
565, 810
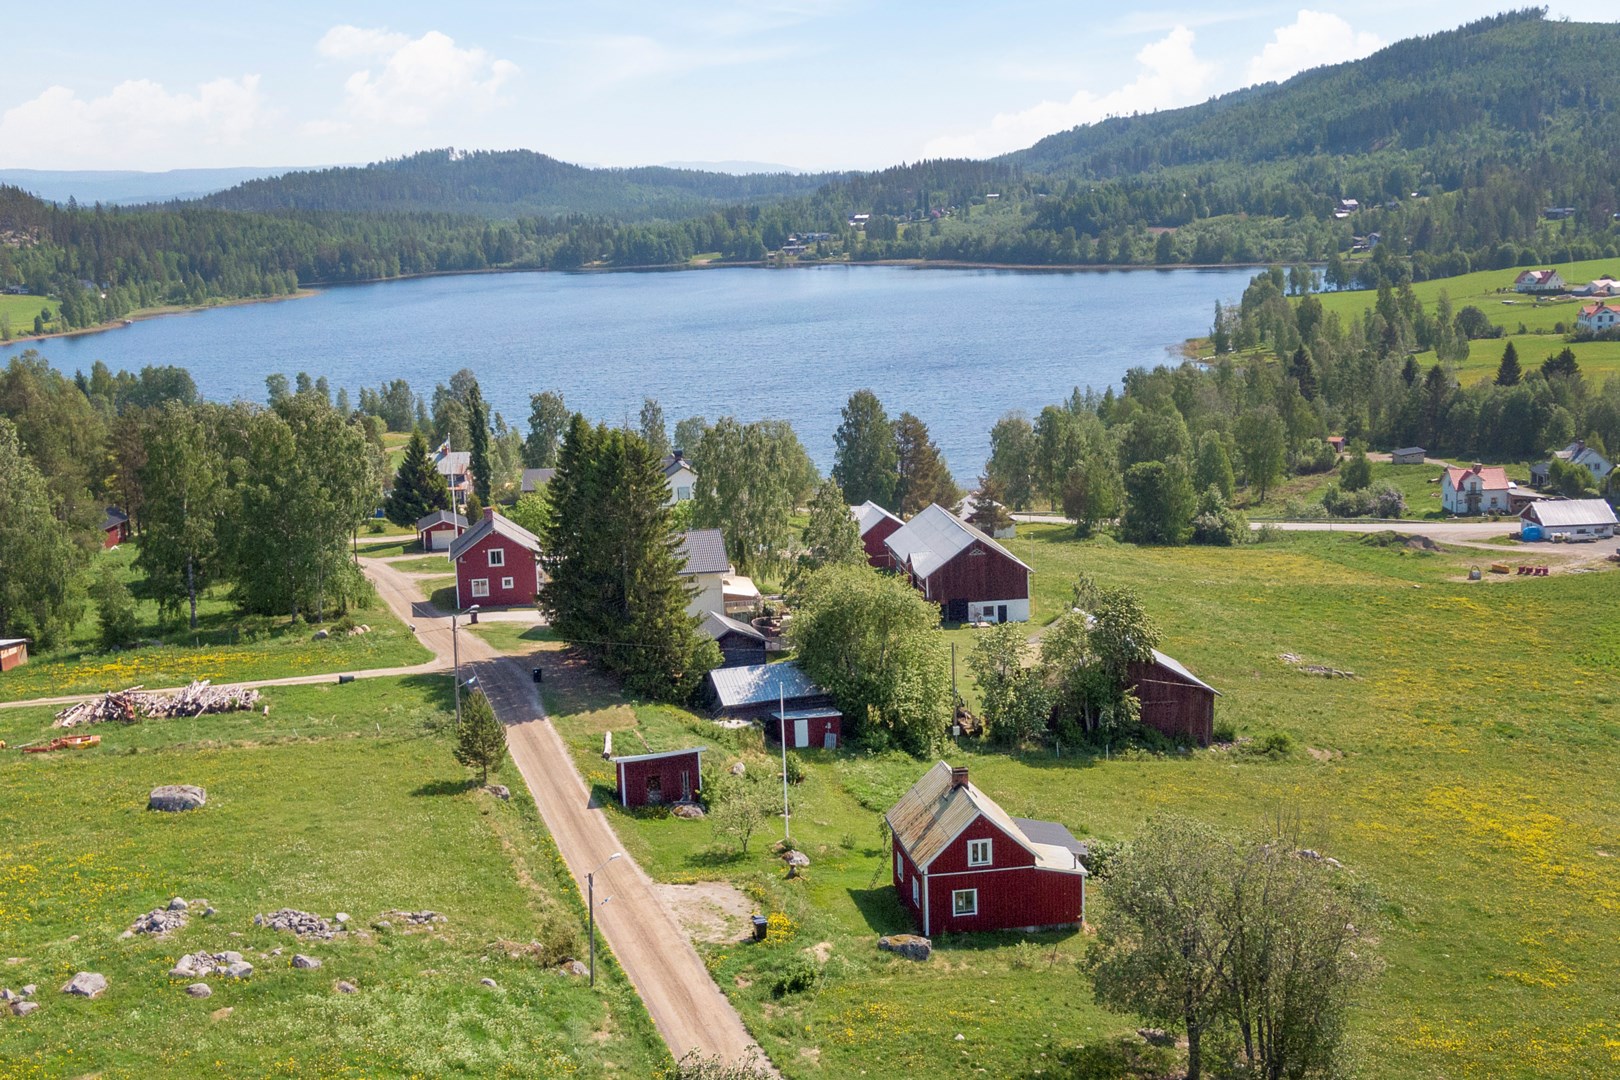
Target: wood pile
135, 704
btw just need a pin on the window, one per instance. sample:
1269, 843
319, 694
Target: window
683, 493
965, 902
979, 853
899, 867
497, 557
480, 586
506, 583
914, 899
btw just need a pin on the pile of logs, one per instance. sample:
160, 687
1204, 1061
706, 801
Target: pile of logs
135, 704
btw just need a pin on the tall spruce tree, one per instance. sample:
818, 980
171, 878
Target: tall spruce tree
866, 461
831, 535
1508, 373
922, 475
478, 443
419, 487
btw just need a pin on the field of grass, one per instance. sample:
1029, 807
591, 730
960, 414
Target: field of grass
344, 798
408, 546
516, 639
20, 312
1458, 774
1417, 482
427, 564
219, 650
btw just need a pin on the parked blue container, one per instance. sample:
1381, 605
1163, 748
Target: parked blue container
1529, 531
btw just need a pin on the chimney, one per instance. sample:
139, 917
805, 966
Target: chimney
1478, 467
489, 513
959, 777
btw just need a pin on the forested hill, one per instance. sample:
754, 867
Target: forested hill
510, 184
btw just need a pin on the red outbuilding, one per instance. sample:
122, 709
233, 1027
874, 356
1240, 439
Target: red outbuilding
1175, 702
13, 652
875, 525
114, 528
439, 530
961, 568
808, 729
961, 864
497, 563
652, 779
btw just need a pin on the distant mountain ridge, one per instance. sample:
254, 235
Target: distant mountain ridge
127, 187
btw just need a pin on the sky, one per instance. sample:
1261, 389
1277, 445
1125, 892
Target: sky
812, 84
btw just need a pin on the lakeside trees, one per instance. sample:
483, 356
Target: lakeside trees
419, 488
40, 595
866, 458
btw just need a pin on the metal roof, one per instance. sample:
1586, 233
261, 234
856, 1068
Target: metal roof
1181, 669
704, 551
6, 643
1052, 834
936, 536
494, 523
718, 626
440, 517
930, 817
674, 463
1403, 451
654, 757
535, 479
1563, 513
456, 461
761, 684
869, 514
114, 516
806, 714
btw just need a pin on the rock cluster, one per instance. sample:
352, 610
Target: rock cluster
165, 919
173, 798
414, 918
196, 965
500, 791
910, 946
18, 1003
302, 923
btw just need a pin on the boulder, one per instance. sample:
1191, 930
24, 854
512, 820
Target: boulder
342, 917
343, 986
199, 990
575, 967
500, 791
305, 963
7, 996
322, 635
240, 969
910, 946
489, 983
29, 990
690, 811
738, 769
191, 965
173, 798
796, 862
23, 1008
178, 904
88, 984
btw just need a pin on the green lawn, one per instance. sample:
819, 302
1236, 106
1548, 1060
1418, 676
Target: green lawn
19, 311
427, 564
407, 546
344, 798
1419, 483
1457, 774
515, 638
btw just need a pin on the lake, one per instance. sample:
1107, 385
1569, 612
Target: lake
956, 347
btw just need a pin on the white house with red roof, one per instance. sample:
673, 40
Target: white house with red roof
1539, 281
1479, 489
1598, 318
497, 563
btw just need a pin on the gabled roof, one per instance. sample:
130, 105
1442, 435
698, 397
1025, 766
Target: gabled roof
718, 626
761, 684
114, 518
441, 517
1593, 309
936, 536
661, 754
1566, 512
1181, 669
704, 551
8, 642
929, 818
535, 479
1403, 451
869, 514
1491, 478
456, 461
674, 463
493, 523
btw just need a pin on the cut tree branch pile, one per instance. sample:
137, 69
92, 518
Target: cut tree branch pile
136, 704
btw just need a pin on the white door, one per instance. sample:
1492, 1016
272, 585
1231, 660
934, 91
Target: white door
801, 732
441, 539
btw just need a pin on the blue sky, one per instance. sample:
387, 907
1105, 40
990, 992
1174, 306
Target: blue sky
814, 84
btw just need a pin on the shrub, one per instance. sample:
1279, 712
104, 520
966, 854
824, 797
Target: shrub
795, 769
1100, 853
800, 975
1273, 744
1224, 733
1314, 456
255, 627
780, 929
1216, 523
1025, 955
376, 527
344, 625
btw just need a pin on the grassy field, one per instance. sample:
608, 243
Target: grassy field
225, 648
1419, 483
344, 798
20, 312
387, 550
427, 564
1460, 781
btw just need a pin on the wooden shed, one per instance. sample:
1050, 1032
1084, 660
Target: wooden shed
808, 729
756, 691
653, 779
1175, 702
438, 530
114, 528
740, 644
13, 652
875, 524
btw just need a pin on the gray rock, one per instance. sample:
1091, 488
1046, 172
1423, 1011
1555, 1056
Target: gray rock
690, 811
500, 791
7, 996
275, 952
179, 904
489, 983
738, 769
207, 911
173, 798
910, 946
191, 965
322, 635
302, 923
305, 963
29, 990
88, 984
23, 1008
342, 917
1156, 1036
383, 924
200, 990
228, 957
159, 920
241, 969
575, 967
346, 987
126, 935
796, 858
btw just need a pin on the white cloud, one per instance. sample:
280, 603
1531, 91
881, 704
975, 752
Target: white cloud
136, 123
1172, 75
1313, 39
412, 80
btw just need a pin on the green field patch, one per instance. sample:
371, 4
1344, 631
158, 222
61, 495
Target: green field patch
427, 564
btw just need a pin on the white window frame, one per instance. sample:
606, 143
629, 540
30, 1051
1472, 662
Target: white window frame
956, 903
975, 847
899, 867
497, 556
506, 582
914, 900
480, 586
683, 493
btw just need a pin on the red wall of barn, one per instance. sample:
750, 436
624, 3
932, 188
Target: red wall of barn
521, 566
118, 534
978, 573
1008, 900
634, 776
817, 734
1171, 706
876, 553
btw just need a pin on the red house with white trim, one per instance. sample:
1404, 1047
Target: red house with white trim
875, 525
957, 566
962, 865
114, 528
654, 779
497, 563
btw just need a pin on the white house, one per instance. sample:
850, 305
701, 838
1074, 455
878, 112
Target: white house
456, 468
1598, 318
706, 567
1538, 281
1600, 286
1476, 490
1577, 453
681, 478
1573, 519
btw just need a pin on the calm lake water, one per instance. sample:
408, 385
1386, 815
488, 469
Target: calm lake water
956, 347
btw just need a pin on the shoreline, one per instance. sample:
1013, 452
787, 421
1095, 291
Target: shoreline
144, 314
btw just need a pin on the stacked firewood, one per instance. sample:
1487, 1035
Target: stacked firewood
135, 704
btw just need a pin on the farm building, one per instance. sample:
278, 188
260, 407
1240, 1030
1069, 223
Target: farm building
650, 779
1576, 453
702, 554
808, 729
438, 530
13, 652
680, 476
756, 691
497, 563
970, 576
875, 525
1572, 519
1175, 702
114, 528
1477, 490
961, 864
1408, 455
740, 644
535, 479
1521, 497
1539, 281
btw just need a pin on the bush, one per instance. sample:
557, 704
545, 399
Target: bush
795, 770
800, 975
115, 609
344, 625
376, 526
1299, 510
1216, 523
1100, 853
1385, 501
1224, 733
255, 627
1314, 456
1273, 744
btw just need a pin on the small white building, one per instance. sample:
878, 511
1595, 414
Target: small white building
1598, 318
1571, 519
1476, 490
1539, 281
681, 478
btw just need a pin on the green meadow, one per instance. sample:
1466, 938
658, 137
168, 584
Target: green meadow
20, 311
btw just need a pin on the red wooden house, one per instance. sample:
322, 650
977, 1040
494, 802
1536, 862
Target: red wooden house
962, 569
114, 528
961, 864
1175, 702
651, 779
497, 563
438, 530
875, 525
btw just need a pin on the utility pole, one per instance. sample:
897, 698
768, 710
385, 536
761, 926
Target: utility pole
590, 905
781, 729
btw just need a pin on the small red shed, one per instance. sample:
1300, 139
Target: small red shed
497, 563
1175, 702
876, 525
114, 528
808, 729
13, 652
653, 779
439, 530
961, 864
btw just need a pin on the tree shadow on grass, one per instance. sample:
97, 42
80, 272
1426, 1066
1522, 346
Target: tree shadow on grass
446, 787
882, 911
714, 856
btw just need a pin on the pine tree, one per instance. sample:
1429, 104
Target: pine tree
1304, 373
478, 443
1508, 373
1561, 365
990, 507
866, 461
923, 477
480, 739
419, 487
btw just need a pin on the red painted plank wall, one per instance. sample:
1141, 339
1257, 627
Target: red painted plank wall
979, 573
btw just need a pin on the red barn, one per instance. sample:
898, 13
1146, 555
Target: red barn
438, 530
1175, 702
876, 525
962, 569
497, 563
961, 864
652, 779
13, 652
808, 729
114, 528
